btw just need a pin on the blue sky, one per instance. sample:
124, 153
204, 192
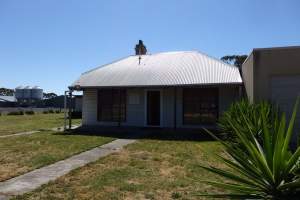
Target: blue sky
51, 42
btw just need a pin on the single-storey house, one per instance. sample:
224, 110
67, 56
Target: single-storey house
183, 89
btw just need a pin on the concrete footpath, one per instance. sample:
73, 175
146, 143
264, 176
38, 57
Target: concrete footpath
34, 179
31, 132
18, 134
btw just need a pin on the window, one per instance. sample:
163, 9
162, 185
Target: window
112, 105
200, 106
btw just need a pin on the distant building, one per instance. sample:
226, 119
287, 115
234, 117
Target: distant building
27, 96
8, 101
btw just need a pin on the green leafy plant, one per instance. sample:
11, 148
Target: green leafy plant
252, 116
267, 170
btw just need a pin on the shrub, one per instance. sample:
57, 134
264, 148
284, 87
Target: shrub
260, 171
16, 113
29, 112
242, 113
57, 111
51, 111
45, 112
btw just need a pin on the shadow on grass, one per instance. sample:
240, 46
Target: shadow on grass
145, 133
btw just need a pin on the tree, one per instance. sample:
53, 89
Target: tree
49, 95
236, 60
6, 92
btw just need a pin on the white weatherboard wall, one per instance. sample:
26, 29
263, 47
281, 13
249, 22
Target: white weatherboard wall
89, 107
135, 111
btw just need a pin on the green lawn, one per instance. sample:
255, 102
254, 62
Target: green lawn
21, 154
10, 124
148, 169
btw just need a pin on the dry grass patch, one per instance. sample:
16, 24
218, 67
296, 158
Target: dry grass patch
10, 124
21, 154
148, 169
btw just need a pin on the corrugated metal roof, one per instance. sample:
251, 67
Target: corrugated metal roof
8, 98
162, 69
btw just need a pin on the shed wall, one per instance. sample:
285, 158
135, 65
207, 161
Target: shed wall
274, 63
247, 76
275, 78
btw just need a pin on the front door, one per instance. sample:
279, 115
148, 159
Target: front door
153, 108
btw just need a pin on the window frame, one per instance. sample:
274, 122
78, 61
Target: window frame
184, 121
121, 100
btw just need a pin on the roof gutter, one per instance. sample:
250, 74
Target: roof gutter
80, 88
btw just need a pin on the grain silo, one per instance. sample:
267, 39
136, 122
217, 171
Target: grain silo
28, 95
36, 93
19, 92
27, 92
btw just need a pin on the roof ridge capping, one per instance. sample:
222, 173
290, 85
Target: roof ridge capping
115, 61
214, 58
159, 53
198, 52
93, 69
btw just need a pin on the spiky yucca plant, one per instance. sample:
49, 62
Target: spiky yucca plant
252, 116
266, 170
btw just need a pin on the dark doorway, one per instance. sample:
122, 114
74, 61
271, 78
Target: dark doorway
153, 108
